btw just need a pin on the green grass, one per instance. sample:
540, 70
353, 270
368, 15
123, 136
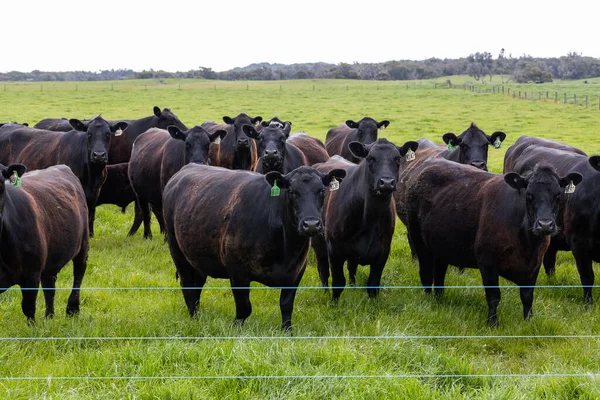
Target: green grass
117, 261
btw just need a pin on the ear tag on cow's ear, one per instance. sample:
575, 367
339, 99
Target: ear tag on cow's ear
15, 179
382, 128
570, 188
498, 143
334, 184
275, 191
450, 147
119, 132
410, 155
217, 140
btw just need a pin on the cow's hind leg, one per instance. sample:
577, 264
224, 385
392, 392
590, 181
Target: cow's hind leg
286, 304
586, 273
550, 260
137, 218
29, 291
79, 267
338, 280
439, 276
490, 280
320, 248
241, 296
191, 280
352, 268
48, 279
145, 210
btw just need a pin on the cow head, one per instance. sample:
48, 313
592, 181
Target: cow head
366, 129
275, 121
7, 174
271, 144
197, 142
543, 195
166, 118
473, 144
303, 191
99, 132
382, 160
242, 141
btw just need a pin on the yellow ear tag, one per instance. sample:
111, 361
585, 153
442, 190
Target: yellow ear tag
334, 184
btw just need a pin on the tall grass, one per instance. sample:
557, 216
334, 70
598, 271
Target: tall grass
355, 349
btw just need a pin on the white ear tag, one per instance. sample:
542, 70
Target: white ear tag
570, 188
334, 184
119, 132
497, 144
382, 128
410, 155
217, 140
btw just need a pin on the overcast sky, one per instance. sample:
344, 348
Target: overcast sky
174, 35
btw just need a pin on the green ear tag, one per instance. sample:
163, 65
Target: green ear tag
450, 147
15, 179
275, 191
497, 143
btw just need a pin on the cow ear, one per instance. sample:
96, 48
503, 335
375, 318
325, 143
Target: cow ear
250, 131
265, 123
515, 180
351, 124
228, 120
383, 124
78, 125
7, 172
574, 177
273, 176
595, 162
256, 119
498, 135
176, 133
25, 124
338, 174
410, 145
157, 111
119, 126
359, 149
220, 134
451, 138
287, 127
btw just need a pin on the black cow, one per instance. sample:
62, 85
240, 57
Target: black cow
236, 150
313, 149
364, 131
84, 150
274, 152
359, 217
258, 229
55, 124
523, 142
43, 226
471, 146
579, 231
157, 155
13, 124
500, 224
116, 188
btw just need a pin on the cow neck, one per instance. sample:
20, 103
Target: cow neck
93, 174
373, 206
282, 224
143, 124
527, 238
243, 159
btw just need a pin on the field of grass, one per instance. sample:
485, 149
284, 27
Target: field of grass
403, 344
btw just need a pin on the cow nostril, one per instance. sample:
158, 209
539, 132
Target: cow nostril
386, 182
478, 164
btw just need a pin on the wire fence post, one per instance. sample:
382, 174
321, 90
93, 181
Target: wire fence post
575, 99
565, 98
556, 97
586, 101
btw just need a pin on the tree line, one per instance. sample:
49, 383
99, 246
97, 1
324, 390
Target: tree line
481, 66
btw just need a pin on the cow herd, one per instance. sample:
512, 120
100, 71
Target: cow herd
245, 199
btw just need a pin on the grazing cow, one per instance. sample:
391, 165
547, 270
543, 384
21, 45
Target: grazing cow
359, 217
274, 153
578, 228
43, 226
157, 155
364, 131
471, 146
116, 188
313, 149
236, 150
54, 124
258, 229
84, 150
500, 224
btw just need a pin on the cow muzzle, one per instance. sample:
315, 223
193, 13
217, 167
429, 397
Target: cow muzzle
385, 186
311, 227
479, 164
544, 227
99, 157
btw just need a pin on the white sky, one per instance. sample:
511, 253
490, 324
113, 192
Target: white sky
175, 35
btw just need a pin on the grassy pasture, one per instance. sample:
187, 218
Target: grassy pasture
140, 367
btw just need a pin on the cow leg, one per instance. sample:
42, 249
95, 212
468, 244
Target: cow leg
137, 219
49, 286
352, 268
338, 280
439, 276
145, 210
490, 280
426, 270
527, 300
320, 248
79, 267
29, 296
160, 218
241, 296
586, 273
550, 260
286, 304
374, 280
92, 218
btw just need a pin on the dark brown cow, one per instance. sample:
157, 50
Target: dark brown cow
116, 188
312, 148
43, 226
236, 150
578, 225
245, 227
157, 155
471, 146
84, 150
55, 124
359, 217
363, 131
500, 224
